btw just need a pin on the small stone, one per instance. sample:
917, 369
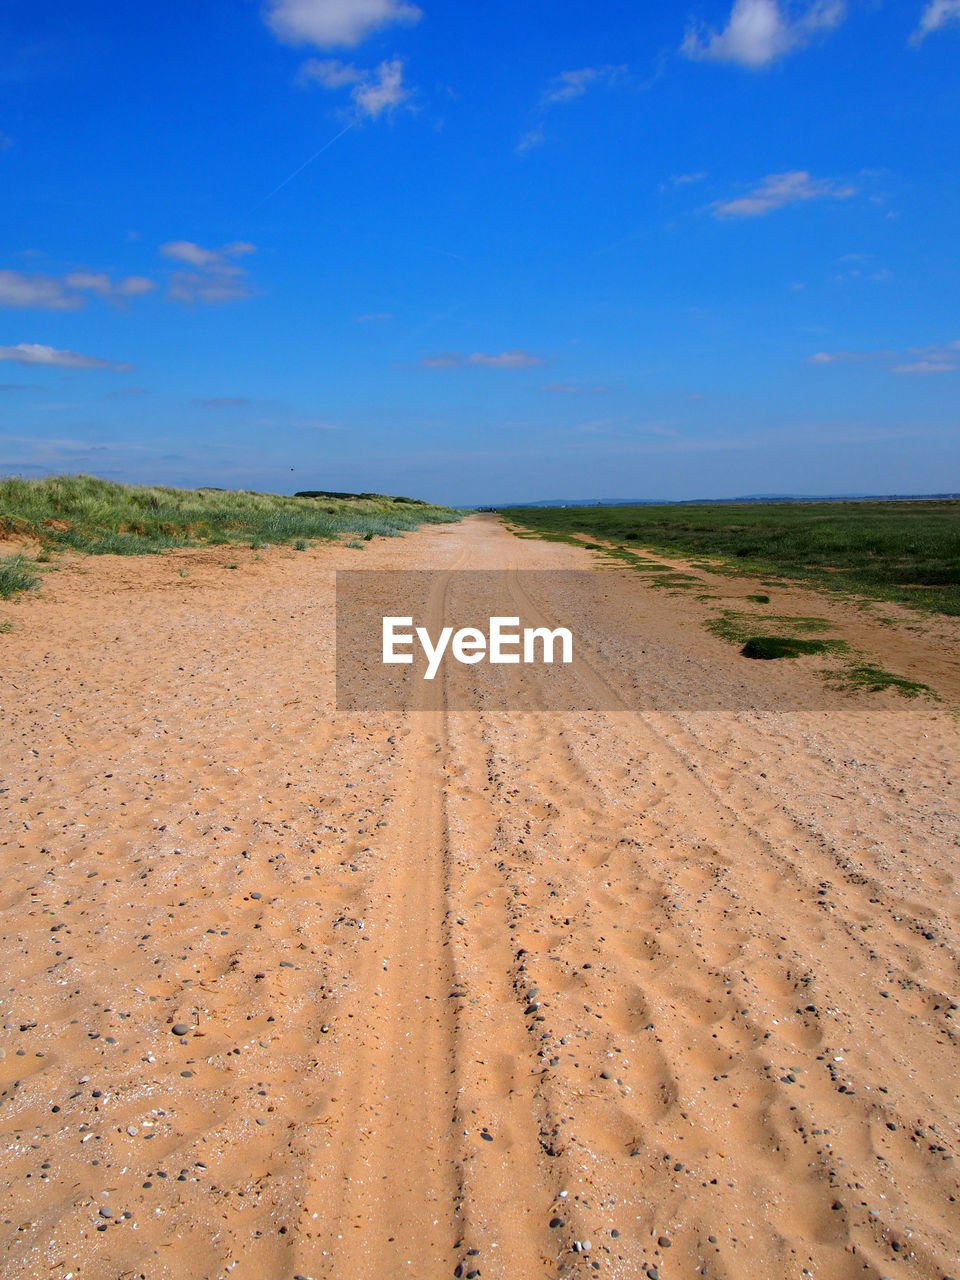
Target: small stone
105, 1211
256, 896
664, 1242
132, 1130
605, 1075
556, 1222
180, 1029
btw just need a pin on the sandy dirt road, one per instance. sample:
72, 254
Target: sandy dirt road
662, 993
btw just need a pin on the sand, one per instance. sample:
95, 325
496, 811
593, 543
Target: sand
293, 993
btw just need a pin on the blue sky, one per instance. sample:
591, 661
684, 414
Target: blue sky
483, 252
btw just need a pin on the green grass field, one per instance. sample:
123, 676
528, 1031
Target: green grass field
99, 517
903, 551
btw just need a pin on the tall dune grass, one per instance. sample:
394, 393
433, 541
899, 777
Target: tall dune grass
99, 516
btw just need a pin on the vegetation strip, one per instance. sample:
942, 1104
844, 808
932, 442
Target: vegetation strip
99, 517
908, 551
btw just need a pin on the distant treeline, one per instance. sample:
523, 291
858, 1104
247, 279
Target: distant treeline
356, 497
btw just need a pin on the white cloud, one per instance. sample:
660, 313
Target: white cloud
925, 366
779, 189
382, 90
214, 278
198, 256
516, 358
759, 32
570, 388
330, 72
328, 23
373, 92
20, 289
35, 353
99, 283
65, 293
939, 357
936, 15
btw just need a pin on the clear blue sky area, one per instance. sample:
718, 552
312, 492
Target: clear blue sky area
483, 252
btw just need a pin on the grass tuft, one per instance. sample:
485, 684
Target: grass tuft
767, 647
738, 627
865, 675
15, 576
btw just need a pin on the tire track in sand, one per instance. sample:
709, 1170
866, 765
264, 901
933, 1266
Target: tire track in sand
388, 1185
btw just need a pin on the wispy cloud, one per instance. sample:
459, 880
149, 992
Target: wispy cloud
759, 32
331, 23
570, 388
329, 72
942, 357
574, 84
66, 292
374, 92
210, 275
35, 353
566, 87
779, 189
221, 402
936, 15
374, 315
534, 137
517, 358
315, 424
